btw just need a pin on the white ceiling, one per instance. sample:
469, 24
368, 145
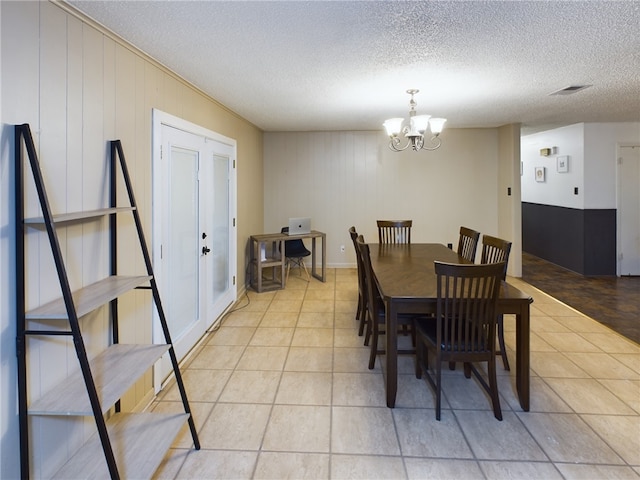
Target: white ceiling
345, 65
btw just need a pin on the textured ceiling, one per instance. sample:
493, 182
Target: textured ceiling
341, 65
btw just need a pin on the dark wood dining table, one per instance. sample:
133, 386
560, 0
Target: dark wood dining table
406, 278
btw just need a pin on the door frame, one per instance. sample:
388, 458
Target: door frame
619, 252
159, 120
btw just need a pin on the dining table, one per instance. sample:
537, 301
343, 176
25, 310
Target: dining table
406, 278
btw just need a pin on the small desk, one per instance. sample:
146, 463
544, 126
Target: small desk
406, 278
272, 244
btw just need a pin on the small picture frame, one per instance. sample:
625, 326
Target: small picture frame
563, 164
539, 174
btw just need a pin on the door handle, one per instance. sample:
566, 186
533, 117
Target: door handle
205, 250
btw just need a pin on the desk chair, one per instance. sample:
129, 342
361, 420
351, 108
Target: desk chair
464, 329
394, 231
496, 250
294, 252
468, 243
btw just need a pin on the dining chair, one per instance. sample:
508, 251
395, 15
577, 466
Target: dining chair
464, 329
294, 252
468, 243
394, 231
375, 309
496, 250
361, 313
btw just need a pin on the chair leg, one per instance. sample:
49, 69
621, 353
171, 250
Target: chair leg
305, 270
438, 386
503, 348
493, 386
374, 346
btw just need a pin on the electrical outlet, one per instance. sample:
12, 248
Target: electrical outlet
341, 248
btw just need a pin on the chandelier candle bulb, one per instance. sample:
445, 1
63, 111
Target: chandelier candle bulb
415, 131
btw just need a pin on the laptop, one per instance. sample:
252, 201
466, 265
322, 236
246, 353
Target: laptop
299, 225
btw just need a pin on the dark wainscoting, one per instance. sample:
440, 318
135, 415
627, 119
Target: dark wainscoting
583, 241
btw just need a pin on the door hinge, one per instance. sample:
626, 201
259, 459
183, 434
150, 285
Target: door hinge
619, 160
234, 163
234, 222
234, 279
160, 152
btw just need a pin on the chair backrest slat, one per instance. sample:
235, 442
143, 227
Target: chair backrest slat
495, 250
467, 297
394, 231
468, 243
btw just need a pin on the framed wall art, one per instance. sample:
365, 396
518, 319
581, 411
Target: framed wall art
563, 164
539, 172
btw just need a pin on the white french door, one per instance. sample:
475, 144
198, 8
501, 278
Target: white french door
194, 243
629, 210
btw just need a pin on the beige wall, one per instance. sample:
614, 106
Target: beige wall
341, 179
79, 87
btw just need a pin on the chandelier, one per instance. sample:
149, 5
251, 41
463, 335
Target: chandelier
415, 131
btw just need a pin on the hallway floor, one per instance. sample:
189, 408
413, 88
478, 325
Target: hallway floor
282, 390
613, 301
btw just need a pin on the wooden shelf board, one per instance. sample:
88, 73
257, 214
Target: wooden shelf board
114, 371
88, 298
75, 216
139, 442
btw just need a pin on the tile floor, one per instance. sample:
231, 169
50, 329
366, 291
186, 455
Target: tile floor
282, 390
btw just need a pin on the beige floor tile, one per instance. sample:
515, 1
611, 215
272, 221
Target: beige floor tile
170, 466
568, 342
302, 466
257, 305
587, 395
231, 336
315, 320
555, 364
421, 435
251, 386
631, 360
354, 360
363, 430
350, 294
544, 323
542, 397
324, 295
235, 426
346, 319
626, 390
348, 337
416, 393
263, 358
279, 319
223, 357
584, 324
602, 472
364, 467
358, 389
346, 306
465, 393
309, 359
272, 337
318, 306
491, 439
285, 306
603, 365
520, 470
557, 309
200, 412
290, 294
298, 428
442, 469
200, 385
622, 433
567, 438
612, 343
244, 318
312, 337
218, 465
305, 388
